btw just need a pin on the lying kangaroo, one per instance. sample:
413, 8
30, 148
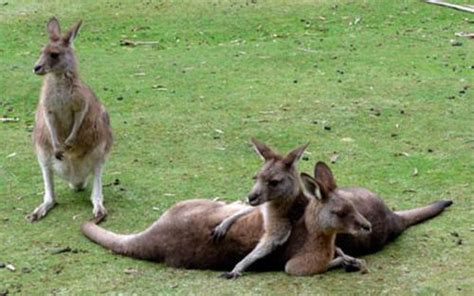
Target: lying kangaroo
72, 134
180, 237
276, 189
386, 225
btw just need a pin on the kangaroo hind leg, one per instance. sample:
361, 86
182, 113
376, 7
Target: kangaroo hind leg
48, 199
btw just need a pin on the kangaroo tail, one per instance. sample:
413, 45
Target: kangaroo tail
418, 215
116, 242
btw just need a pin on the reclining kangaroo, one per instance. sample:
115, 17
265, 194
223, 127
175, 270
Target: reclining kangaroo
72, 134
276, 189
386, 224
180, 237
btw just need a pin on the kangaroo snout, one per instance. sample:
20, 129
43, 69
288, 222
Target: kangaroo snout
254, 199
364, 225
38, 69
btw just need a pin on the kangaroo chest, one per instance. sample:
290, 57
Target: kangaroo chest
58, 103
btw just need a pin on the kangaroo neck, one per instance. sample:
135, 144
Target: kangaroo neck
319, 243
319, 238
67, 79
291, 208
298, 206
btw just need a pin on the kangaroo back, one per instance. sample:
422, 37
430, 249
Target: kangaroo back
418, 215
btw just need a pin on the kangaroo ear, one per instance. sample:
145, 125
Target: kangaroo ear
311, 187
72, 33
53, 29
292, 157
324, 176
265, 152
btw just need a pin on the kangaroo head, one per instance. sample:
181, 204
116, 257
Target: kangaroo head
57, 56
278, 179
334, 213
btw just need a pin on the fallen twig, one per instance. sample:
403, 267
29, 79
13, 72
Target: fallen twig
127, 42
466, 35
9, 119
59, 250
307, 50
465, 8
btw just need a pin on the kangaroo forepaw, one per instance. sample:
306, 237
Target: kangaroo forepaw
69, 143
218, 234
40, 212
354, 264
232, 275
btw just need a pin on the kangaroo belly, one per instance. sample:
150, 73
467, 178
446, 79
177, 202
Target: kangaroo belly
72, 169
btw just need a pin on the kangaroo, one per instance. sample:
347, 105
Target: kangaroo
276, 188
386, 224
180, 237
72, 134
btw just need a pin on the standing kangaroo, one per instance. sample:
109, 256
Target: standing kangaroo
180, 237
72, 134
386, 224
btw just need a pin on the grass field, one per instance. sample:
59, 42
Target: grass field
379, 83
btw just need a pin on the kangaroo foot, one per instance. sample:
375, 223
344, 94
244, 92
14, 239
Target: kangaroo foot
40, 211
99, 212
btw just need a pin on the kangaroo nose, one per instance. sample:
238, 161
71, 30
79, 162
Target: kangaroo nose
37, 68
253, 198
366, 227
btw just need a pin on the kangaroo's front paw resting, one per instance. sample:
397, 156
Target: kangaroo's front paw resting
232, 275
218, 234
354, 264
40, 212
69, 143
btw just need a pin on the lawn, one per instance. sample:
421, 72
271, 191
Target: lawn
384, 85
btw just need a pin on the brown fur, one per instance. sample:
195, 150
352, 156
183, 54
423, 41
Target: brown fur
72, 133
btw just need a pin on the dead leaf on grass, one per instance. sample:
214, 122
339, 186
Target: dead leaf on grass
11, 267
347, 140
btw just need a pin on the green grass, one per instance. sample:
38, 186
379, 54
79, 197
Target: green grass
276, 70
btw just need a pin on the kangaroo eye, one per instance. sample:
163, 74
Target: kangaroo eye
273, 183
54, 55
340, 214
